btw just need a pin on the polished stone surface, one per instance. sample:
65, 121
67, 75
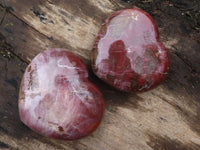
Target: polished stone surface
56, 98
128, 54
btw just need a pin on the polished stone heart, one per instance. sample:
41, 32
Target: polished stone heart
128, 54
56, 98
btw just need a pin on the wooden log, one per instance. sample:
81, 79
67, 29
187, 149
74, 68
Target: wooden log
164, 118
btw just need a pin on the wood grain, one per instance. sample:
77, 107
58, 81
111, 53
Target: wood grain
167, 117
72, 25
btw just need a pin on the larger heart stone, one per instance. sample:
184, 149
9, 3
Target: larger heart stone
56, 98
128, 54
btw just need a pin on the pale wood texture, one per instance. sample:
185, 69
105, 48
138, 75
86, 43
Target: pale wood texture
167, 117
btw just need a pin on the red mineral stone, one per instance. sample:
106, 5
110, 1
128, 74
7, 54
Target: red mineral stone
56, 98
128, 54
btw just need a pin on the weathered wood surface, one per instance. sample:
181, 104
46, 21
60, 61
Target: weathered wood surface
167, 117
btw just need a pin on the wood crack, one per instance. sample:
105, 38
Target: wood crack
7, 10
4, 145
8, 48
4, 14
183, 60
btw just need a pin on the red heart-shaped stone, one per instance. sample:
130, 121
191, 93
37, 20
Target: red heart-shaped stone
56, 98
128, 54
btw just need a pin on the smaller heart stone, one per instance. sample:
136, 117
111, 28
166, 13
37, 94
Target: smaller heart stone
128, 54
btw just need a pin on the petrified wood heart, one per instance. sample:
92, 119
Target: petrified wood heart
128, 54
57, 99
